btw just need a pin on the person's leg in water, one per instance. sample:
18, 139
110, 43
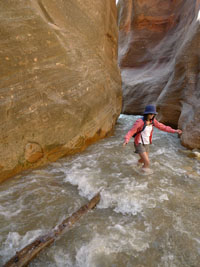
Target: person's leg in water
144, 158
140, 161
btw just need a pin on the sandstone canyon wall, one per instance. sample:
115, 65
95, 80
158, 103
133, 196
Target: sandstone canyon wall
159, 57
60, 86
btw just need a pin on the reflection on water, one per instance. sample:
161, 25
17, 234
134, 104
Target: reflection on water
140, 221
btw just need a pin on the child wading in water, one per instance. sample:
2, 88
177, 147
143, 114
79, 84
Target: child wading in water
142, 130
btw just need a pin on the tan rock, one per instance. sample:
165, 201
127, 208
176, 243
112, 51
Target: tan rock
33, 152
60, 83
159, 51
191, 153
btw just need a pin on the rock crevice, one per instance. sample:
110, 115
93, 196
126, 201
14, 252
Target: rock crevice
159, 57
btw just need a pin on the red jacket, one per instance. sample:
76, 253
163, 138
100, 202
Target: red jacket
138, 126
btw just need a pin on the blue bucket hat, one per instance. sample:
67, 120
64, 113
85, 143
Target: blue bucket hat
150, 109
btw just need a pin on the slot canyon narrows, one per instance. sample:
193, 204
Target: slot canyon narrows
75, 77
159, 58
61, 86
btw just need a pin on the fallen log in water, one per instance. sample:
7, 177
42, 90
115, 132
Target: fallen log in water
25, 255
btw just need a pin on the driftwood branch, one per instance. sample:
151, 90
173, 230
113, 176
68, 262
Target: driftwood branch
25, 255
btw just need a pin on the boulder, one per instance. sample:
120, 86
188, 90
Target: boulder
159, 57
60, 85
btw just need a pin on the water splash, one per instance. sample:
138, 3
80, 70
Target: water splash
143, 220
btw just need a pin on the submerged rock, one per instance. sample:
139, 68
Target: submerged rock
60, 83
159, 57
191, 153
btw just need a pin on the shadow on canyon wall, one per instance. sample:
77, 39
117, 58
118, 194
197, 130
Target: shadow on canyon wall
159, 57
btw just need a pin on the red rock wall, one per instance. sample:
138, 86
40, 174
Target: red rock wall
159, 57
60, 85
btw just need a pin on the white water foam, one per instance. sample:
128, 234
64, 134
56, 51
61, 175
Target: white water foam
123, 194
128, 199
100, 250
9, 213
62, 258
87, 182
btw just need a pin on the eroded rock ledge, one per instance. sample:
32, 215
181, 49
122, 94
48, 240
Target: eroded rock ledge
60, 87
159, 57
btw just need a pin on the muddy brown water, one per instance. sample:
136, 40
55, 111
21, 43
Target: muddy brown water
141, 220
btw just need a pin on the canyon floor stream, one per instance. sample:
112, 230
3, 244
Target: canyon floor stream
141, 220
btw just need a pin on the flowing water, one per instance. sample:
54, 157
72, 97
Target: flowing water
141, 220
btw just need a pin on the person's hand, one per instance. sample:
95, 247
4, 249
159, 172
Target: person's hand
124, 144
179, 131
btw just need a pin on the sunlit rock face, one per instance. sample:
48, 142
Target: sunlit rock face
159, 57
60, 86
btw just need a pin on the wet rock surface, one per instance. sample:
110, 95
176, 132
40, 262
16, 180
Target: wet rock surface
60, 85
159, 51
